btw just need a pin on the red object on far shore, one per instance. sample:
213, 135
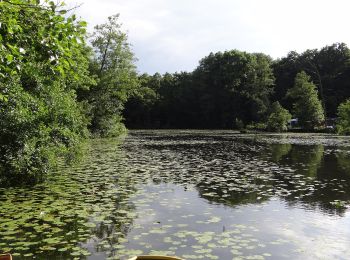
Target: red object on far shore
6, 257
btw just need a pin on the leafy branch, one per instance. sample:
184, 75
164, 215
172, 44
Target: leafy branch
52, 6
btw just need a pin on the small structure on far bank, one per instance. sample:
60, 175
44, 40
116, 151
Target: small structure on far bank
329, 124
293, 124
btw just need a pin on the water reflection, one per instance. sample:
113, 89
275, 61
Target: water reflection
306, 159
240, 169
343, 160
323, 172
280, 151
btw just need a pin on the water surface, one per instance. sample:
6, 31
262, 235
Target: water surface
194, 194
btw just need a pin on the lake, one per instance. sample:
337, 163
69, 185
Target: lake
195, 194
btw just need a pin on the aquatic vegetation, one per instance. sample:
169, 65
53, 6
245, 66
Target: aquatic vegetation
198, 195
61, 213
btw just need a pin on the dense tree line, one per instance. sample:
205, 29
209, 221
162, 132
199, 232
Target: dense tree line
54, 88
328, 68
233, 89
225, 88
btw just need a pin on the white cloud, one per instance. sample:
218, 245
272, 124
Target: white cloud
170, 35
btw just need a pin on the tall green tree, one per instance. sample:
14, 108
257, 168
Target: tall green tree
43, 63
233, 85
343, 124
285, 70
307, 107
113, 64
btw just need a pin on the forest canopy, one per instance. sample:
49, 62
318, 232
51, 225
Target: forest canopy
233, 89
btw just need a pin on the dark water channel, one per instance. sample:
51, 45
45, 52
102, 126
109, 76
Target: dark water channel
194, 194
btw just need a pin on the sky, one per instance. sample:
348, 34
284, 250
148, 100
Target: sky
173, 35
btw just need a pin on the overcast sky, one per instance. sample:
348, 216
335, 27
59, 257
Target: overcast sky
173, 35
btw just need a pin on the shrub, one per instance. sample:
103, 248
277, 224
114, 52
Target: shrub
278, 118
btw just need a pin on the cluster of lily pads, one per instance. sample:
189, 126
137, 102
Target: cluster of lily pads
53, 219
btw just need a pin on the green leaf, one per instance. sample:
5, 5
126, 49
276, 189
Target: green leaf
9, 58
83, 23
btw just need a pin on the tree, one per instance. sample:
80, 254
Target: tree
334, 69
113, 65
307, 106
233, 85
278, 118
343, 124
225, 86
43, 63
285, 70
329, 69
139, 107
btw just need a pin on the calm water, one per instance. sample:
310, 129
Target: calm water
194, 194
